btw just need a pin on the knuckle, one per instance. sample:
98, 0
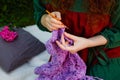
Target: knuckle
72, 51
49, 29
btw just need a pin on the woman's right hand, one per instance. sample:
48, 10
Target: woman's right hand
51, 23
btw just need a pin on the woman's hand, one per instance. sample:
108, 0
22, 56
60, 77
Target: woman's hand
51, 23
79, 43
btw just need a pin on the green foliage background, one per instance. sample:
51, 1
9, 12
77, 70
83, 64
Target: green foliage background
17, 12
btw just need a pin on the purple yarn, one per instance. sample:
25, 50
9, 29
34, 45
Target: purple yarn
63, 65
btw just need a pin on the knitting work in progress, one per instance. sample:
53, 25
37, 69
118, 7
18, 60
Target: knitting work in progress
63, 65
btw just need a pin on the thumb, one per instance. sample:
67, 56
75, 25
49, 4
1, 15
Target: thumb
57, 15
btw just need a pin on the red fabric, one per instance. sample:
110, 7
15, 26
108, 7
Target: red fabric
78, 25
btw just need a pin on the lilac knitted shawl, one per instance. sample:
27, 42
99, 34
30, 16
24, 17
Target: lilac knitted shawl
63, 65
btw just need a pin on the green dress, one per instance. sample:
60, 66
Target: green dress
108, 59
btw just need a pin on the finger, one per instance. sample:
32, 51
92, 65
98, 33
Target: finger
71, 49
67, 43
56, 21
57, 15
51, 26
70, 36
49, 29
57, 25
63, 40
60, 45
53, 20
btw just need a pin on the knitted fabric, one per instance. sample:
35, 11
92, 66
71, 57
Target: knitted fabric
63, 65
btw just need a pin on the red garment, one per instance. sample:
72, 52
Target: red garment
78, 25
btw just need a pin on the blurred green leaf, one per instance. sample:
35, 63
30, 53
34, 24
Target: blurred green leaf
19, 12
4, 8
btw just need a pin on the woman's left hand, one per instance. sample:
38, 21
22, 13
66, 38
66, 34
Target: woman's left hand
80, 43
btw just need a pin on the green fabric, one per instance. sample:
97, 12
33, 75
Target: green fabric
113, 34
92, 51
111, 71
78, 6
39, 11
